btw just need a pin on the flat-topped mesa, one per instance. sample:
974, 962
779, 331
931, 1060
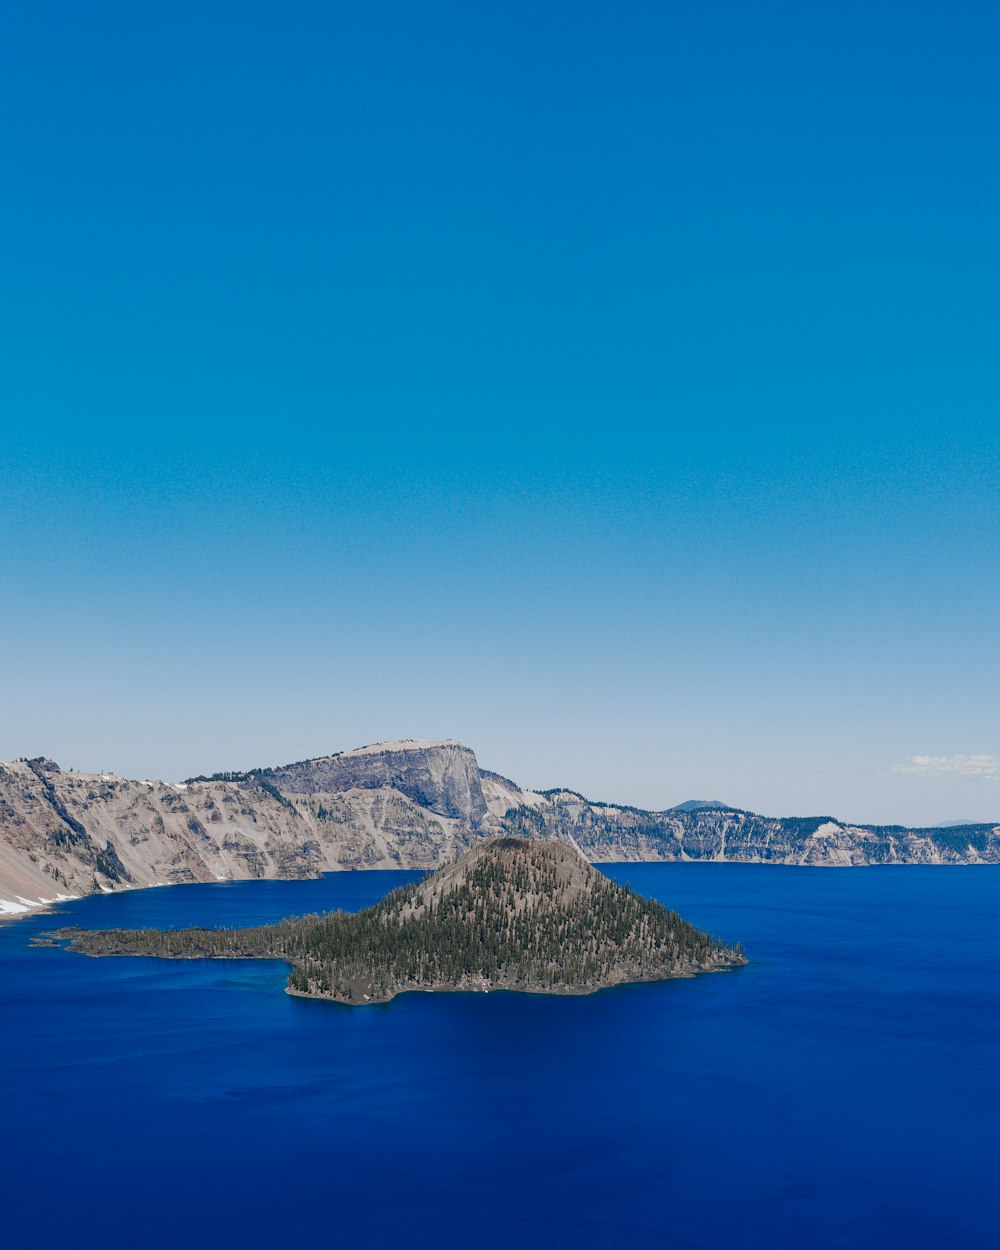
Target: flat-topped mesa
510, 914
440, 776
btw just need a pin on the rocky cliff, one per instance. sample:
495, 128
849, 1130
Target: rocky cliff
393, 805
440, 776
607, 832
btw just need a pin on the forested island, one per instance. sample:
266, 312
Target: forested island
512, 914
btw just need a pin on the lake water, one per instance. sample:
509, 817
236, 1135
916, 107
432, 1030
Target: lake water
841, 1091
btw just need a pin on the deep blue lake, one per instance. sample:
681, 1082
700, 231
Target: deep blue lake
843, 1090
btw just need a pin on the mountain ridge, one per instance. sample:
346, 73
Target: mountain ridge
402, 804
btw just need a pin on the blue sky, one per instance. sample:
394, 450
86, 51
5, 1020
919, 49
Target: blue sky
613, 388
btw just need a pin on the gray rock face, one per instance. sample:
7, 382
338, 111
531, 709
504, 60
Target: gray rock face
609, 833
440, 776
394, 805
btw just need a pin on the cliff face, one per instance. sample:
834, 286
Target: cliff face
395, 805
440, 776
76, 833
606, 832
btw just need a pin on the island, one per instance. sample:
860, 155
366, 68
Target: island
510, 914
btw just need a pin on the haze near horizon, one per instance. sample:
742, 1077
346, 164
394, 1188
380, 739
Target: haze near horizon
614, 391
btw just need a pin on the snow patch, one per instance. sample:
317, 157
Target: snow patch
830, 830
24, 905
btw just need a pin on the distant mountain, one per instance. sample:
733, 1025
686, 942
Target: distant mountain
509, 914
416, 804
699, 805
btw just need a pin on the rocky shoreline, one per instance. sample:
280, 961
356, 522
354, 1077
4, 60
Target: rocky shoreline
728, 964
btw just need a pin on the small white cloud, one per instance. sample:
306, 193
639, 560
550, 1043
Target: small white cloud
976, 767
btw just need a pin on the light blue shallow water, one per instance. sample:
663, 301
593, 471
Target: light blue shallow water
843, 1090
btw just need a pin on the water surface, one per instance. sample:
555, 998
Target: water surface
841, 1091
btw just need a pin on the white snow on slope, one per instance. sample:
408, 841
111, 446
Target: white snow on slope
24, 905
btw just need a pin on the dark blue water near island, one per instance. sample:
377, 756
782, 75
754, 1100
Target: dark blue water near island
841, 1091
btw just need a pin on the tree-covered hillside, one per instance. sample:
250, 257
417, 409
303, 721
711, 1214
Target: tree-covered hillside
510, 914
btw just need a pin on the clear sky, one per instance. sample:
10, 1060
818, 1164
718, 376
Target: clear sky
613, 387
